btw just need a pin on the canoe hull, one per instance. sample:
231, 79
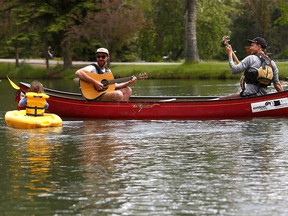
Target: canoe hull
18, 119
73, 105
159, 110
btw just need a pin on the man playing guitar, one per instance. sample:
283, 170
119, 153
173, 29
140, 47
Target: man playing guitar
115, 92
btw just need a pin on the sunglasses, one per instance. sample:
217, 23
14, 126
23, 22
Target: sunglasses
101, 56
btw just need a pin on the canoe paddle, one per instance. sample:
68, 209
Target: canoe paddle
13, 84
226, 40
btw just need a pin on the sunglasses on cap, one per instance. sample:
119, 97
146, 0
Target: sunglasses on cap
101, 56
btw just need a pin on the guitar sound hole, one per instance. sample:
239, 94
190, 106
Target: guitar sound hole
105, 84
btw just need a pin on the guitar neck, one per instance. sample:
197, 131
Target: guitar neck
235, 57
225, 40
125, 79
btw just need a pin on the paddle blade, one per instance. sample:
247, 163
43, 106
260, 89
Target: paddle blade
13, 84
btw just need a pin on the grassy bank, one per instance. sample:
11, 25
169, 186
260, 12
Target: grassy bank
203, 70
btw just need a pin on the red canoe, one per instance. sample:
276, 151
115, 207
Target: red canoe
73, 105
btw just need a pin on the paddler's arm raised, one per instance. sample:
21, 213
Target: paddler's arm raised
241, 66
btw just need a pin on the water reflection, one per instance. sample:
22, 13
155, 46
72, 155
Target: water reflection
97, 147
31, 159
162, 170
226, 167
98, 150
98, 167
258, 144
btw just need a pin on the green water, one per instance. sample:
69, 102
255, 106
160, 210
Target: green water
129, 167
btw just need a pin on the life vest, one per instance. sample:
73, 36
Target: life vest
99, 70
263, 75
36, 103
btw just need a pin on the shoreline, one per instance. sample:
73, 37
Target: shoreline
204, 70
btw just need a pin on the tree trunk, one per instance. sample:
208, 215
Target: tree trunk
17, 57
47, 62
191, 52
67, 60
46, 58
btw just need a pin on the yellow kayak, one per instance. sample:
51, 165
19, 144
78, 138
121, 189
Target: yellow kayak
19, 119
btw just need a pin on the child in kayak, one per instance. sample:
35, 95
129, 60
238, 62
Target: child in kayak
35, 100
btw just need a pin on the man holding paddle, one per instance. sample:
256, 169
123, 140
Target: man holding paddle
250, 66
100, 90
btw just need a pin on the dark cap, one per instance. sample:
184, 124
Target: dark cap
261, 41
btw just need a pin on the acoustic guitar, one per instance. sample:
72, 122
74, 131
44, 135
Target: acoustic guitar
107, 79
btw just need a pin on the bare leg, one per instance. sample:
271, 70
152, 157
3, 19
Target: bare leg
111, 96
127, 92
117, 95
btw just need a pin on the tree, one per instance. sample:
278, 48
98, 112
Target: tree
279, 30
163, 33
191, 49
283, 6
17, 38
116, 23
258, 18
213, 22
260, 13
165, 29
50, 19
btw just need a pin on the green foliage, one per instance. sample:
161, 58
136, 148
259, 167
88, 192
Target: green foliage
196, 71
283, 7
259, 20
213, 20
137, 29
24, 42
24, 71
203, 70
164, 33
283, 55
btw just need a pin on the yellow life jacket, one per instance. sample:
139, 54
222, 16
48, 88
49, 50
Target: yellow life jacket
36, 103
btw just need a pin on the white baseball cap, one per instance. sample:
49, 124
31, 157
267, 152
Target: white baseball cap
102, 50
